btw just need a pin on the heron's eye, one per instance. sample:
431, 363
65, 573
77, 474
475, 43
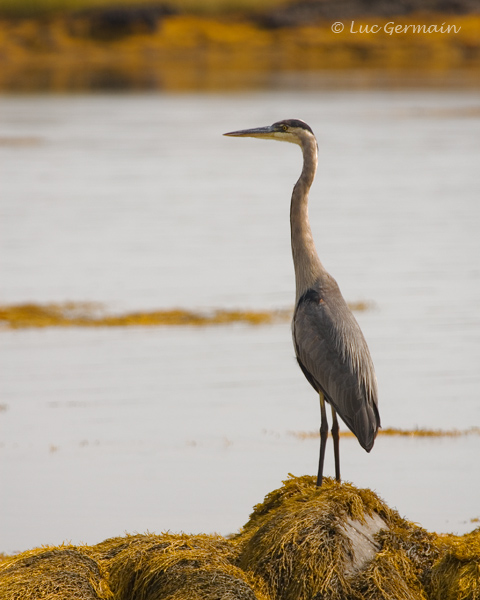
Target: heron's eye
284, 128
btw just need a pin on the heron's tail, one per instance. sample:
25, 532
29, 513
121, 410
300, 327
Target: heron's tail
366, 424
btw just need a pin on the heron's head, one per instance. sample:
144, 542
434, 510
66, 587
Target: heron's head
290, 130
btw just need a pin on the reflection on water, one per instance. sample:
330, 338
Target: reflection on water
139, 203
194, 73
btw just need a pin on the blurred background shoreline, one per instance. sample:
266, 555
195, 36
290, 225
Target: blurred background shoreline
123, 208
73, 46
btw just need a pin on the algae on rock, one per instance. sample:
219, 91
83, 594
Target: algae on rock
336, 542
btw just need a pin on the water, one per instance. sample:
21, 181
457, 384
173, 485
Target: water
138, 202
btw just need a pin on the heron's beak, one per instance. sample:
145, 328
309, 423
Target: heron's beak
258, 132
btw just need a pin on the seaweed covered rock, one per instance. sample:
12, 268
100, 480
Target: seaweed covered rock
61, 573
401, 568
161, 567
334, 542
456, 574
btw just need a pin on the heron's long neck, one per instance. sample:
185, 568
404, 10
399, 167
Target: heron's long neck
305, 258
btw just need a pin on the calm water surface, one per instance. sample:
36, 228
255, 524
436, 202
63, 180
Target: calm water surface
138, 202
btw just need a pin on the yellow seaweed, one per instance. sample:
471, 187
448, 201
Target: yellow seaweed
186, 51
393, 431
89, 314
54, 572
297, 545
72, 314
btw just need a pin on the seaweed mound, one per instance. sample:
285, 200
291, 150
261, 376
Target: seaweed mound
334, 542
456, 575
58, 572
161, 567
301, 543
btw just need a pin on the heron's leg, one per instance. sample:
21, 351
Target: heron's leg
323, 438
336, 443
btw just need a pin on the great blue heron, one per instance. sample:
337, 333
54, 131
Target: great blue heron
329, 344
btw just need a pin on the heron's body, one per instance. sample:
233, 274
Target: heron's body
329, 345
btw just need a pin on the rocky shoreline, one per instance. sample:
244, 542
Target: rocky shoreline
85, 51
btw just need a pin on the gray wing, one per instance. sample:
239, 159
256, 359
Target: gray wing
334, 357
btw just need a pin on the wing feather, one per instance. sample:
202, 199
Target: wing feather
335, 358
